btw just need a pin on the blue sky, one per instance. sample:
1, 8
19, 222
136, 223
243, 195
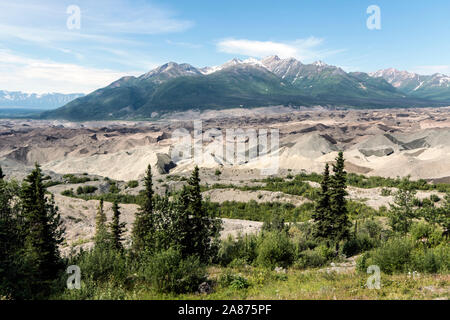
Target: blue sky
39, 53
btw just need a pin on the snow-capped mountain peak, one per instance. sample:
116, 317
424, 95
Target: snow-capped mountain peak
319, 63
35, 100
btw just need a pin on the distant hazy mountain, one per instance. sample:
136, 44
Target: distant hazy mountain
237, 83
33, 100
435, 87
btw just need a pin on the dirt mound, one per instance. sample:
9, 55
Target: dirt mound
311, 146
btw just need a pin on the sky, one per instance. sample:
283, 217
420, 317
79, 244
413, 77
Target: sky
79, 46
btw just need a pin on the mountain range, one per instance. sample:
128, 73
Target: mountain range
435, 87
20, 99
253, 83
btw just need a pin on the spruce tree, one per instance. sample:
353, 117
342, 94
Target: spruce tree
117, 228
144, 226
1, 173
339, 212
43, 233
402, 211
101, 232
9, 241
322, 213
201, 228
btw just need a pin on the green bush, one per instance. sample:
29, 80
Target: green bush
394, 255
431, 236
243, 248
372, 228
362, 263
86, 190
310, 259
68, 193
275, 250
358, 244
72, 179
113, 187
234, 281
400, 255
432, 260
302, 235
100, 265
228, 251
132, 184
421, 230
435, 198
169, 272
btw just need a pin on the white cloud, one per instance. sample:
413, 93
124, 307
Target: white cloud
113, 36
97, 17
428, 70
41, 76
306, 50
184, 44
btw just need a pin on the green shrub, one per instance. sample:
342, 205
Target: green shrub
68, 193
132, 184
113, 187
234, 281
238, 263
169, 272
394, 255
362, 263
358, 244
435, 198
100, 265
432, 260
72, 179
372, 228
228, 251
86, 190
51, 183
430, 235
275, 250
274, 223
421, 230
310, 259
302, 235
243, 248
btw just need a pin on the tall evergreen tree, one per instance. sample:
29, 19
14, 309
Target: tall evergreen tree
117, 228
101, 232
144, 226
43, 233
402, 211
10, 242
322, 213
1, 173
201, 227
339, 211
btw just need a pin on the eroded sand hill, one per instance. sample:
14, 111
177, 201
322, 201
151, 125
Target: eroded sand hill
392, 143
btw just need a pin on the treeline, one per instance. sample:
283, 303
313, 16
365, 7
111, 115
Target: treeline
298, 184
171, 239
362, 181
30, 232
